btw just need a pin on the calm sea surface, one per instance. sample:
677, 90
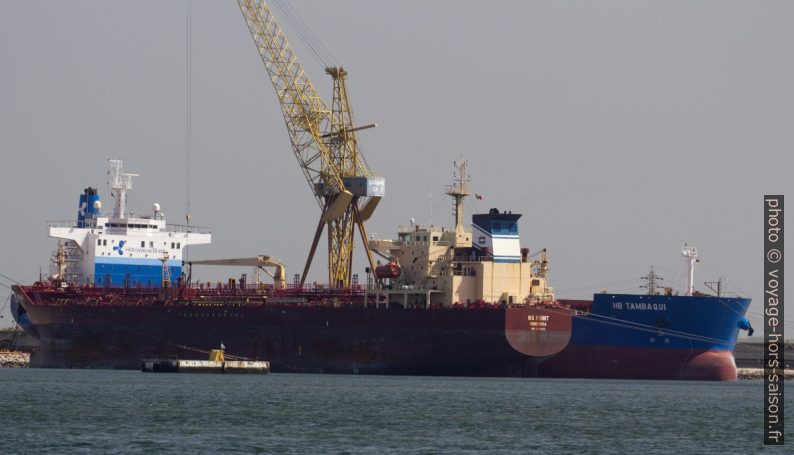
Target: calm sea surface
67, 411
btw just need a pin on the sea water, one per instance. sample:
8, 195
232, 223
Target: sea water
104, 411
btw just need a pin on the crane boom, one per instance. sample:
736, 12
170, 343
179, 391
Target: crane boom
323, 141
305, 113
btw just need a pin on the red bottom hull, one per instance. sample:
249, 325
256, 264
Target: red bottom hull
610, 362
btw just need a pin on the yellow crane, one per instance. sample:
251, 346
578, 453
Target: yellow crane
324, 143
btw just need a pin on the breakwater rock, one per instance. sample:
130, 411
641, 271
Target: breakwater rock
758, 373
14, 359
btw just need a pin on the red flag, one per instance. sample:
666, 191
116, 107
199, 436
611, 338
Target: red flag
478, 196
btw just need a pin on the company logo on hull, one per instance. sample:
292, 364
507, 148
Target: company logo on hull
119, 247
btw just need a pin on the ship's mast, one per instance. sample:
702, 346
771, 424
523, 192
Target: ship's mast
119, 185
166, 271
459, 190
720, 283
60, 263
691, 253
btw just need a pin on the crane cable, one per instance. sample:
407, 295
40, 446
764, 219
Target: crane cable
188, 118
312, 42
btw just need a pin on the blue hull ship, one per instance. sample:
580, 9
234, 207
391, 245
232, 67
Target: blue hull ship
652, 337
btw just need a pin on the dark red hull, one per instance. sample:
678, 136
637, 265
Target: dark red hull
470, 342
608, 362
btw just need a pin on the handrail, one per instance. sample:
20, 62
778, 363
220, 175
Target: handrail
420, 243
181, 228
189, 229
63, 223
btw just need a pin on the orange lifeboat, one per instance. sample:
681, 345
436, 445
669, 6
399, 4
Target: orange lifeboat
390, 270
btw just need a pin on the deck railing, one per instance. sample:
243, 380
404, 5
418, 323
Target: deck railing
180, 228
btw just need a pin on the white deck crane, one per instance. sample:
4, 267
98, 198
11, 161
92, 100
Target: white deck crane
258, 262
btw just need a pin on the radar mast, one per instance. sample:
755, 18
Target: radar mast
459, 190
119, 183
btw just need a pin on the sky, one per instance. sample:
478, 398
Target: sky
619, 129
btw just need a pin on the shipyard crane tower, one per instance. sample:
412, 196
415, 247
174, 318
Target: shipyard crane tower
324, 143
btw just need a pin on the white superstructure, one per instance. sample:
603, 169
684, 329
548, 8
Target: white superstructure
119, 249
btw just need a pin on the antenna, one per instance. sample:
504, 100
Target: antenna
430, 214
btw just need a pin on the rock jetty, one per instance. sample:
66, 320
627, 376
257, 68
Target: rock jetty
14, 359
758, 373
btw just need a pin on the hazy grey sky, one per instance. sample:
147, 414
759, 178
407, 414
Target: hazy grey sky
620, 129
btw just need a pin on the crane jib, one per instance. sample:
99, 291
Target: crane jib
323, 136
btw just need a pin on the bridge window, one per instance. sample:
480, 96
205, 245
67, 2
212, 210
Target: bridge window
143, 243
99, 242
179, 245
504, 228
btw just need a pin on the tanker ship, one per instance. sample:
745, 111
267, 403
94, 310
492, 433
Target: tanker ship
464, 300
